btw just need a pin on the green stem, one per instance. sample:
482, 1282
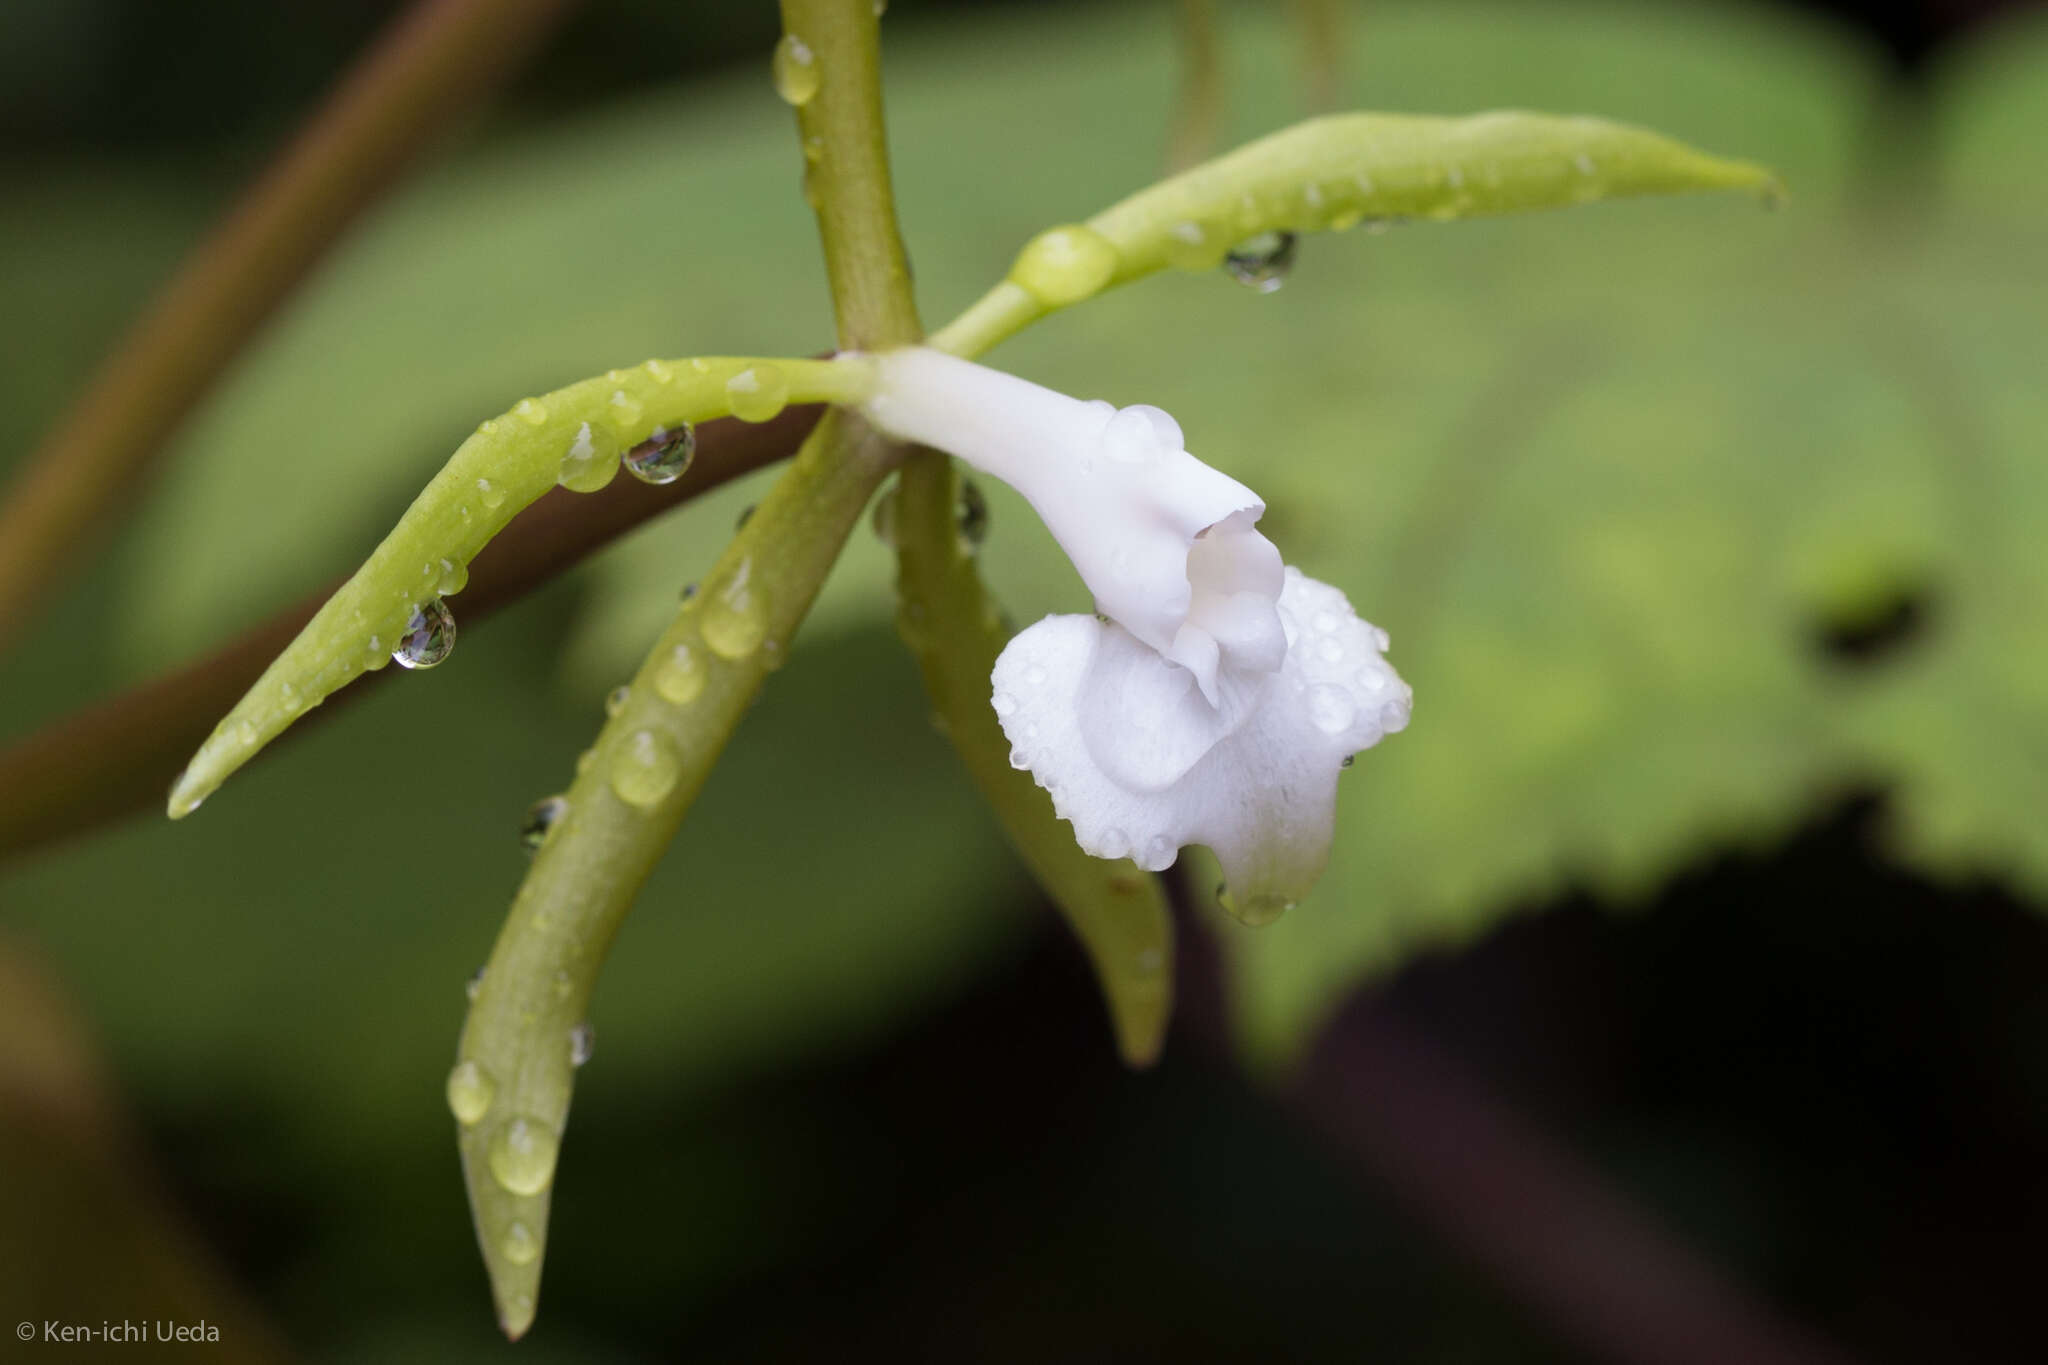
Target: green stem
511, 1085
846, 154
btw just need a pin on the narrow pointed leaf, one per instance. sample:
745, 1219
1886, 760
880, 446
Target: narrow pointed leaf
575, 435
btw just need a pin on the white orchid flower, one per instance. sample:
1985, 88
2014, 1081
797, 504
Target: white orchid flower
1217, 701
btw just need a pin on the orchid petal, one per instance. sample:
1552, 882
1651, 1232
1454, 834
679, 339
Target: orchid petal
1141, 766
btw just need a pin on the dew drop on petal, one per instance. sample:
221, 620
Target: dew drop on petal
582, 1042
1160, 851
1004, 703
1330, 708
1262, 262
795, 70
540, 821
1115, 844
520, 1246
1034, 674
1394, 717
1330, 649
646, 768
680, 678
470, 1092
1019, 759
522, 1155
429, 636
663, 457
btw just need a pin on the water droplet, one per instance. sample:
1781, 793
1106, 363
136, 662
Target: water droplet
1034, 674
735, 615
1192, 245
522, 1155
795, 70
563, 985
1323, 622
582, 1042
454, 577
658, 372
470, 1092
1329, 649
245, 733
1003, 703
646, 768
970, 514
758, 392
1382, 639
680, 679
429, 636
1140, 433
540, 820
1252, 911
475, 983
531, 411
1371, 679
492, 495
884, 518
746, 515
1262, 262
590, 461
288, 698
520, 1246
1330, 708
1394, 717
615, 700
1584, 163
663, 457
1020, 760
1160, 851
1064, 265
1115, 844
624, 413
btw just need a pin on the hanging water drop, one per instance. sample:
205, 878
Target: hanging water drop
1252, 911
735, 616
470, 1092
522, 1155
1262, 262
884, 518
646, 768
520, 1246
758, 392
970, 514
429, 636
590, 461
453, 579
795, 70
680, 678
663, 457
582, 1042
540, 820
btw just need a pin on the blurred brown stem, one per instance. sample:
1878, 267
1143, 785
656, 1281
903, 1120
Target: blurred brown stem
432, 65
120, 756
1198, 113
1322, 51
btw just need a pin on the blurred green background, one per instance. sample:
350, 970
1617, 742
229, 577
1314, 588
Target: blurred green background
1710, 540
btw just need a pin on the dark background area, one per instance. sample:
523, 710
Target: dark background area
1826, 1075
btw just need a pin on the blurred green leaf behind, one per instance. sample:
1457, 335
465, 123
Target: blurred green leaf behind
1605, 475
